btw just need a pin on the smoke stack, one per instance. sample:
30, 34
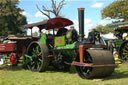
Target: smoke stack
81, 23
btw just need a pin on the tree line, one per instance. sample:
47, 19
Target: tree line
117, 11
11, 18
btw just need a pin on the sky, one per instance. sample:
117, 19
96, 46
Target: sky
92, 11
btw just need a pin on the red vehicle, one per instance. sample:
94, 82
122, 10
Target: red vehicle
14, 47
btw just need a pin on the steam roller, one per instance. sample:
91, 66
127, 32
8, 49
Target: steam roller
94, 59
90, 55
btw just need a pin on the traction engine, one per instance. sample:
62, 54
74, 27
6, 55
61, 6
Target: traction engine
66, 48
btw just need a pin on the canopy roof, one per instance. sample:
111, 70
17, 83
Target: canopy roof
118, 24
121, 26
54, 23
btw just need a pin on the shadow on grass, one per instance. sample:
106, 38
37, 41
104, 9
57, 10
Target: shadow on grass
20, 67
117, 75
51, 69
11, 68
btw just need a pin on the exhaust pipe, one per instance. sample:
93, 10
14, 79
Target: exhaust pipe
81, 23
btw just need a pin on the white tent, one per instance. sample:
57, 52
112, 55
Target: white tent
108, 36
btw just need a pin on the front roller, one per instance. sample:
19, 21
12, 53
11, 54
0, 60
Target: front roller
95, 63
36, 57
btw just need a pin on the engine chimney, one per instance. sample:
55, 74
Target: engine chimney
81, 23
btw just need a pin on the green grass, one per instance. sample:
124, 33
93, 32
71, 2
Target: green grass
20, 76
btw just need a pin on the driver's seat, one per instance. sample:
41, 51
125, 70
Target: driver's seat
61, 32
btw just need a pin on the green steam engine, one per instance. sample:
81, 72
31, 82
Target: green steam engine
64, 47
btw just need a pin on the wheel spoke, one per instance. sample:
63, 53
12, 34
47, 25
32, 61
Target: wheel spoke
39, 59
38, 64
125, 50
33, 67
125, 57
126, 47
85, 71
125, 53
37, 49
40, 53
33, 51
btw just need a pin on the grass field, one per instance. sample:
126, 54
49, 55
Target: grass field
20, 76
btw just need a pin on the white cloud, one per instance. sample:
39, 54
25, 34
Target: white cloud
102, 22
30, 22
88, 24
97, 5
75, 22
26, 14
23, 13
39, 14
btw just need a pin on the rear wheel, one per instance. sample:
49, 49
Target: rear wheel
38, 52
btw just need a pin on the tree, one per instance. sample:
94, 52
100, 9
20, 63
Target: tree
117, 10
55, 9
11, 18
104, 29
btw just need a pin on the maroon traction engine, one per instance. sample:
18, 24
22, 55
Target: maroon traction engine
13, 48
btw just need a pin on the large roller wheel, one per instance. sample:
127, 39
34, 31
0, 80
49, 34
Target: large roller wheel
123, 51
96, 57
39, 52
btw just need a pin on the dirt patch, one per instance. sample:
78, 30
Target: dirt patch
1, 69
